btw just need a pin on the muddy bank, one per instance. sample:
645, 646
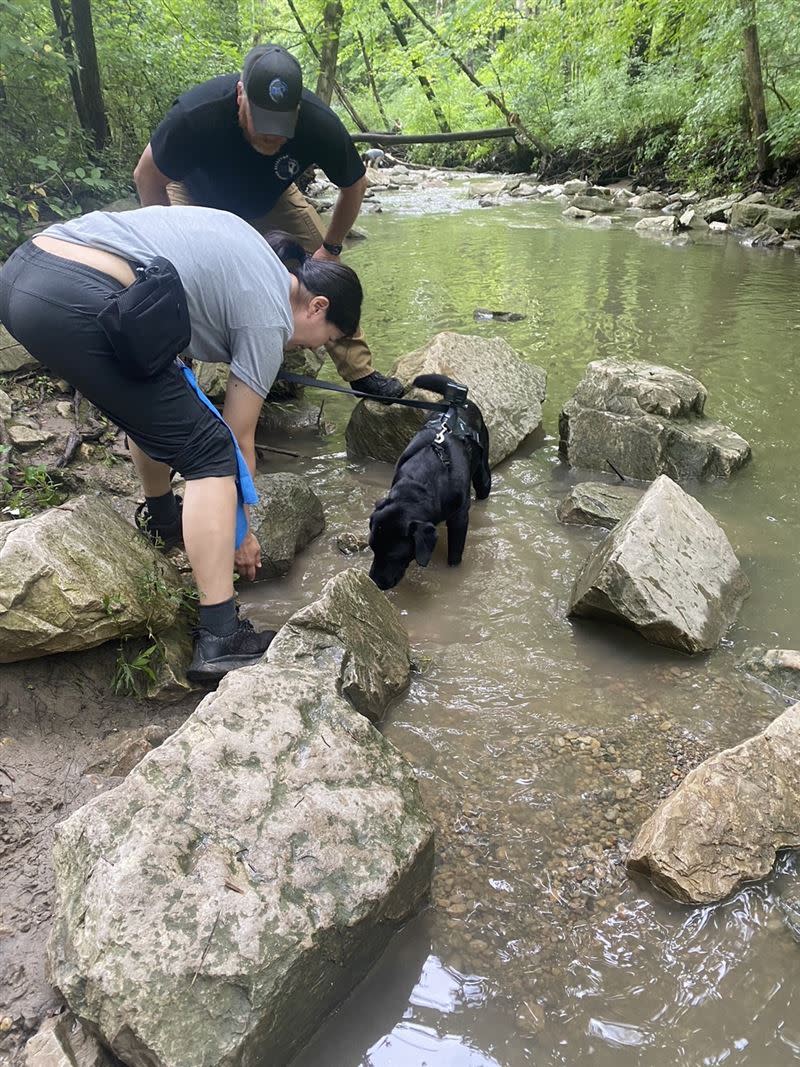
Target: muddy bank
64, 737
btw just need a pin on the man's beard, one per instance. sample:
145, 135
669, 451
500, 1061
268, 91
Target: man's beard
265, 146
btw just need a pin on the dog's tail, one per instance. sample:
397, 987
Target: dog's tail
434, 383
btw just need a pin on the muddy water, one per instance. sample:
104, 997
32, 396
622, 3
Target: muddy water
541, 744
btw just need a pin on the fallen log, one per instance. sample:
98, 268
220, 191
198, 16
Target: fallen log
433, 138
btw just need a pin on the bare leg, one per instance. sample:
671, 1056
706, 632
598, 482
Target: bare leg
209, 524
209, 532
154, 475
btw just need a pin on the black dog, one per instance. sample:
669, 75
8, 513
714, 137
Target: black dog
431, 484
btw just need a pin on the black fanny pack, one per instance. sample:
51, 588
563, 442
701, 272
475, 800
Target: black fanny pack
148, 322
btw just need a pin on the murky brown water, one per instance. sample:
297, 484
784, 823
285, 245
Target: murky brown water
527, 730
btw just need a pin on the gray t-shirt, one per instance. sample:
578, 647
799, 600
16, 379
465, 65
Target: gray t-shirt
236, 287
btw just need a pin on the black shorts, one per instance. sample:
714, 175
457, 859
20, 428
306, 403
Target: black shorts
50, 306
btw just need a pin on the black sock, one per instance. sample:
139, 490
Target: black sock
163, 510
219, 619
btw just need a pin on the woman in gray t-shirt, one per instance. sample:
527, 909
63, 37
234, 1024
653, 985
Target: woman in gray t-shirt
247, 300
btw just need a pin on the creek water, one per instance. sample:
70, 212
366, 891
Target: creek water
526, 729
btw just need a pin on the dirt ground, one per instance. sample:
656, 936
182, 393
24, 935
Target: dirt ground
64, 737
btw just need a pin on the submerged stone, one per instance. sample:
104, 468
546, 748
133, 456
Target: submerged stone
779, 668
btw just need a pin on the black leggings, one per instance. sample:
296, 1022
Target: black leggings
50, 306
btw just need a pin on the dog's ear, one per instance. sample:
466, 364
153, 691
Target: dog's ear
424, 536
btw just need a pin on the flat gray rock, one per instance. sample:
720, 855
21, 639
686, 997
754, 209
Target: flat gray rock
725, 822
668, 571
508, 391
217, 905
650, 201
595, 204
646, 420
62, 1041
657, 225
598, 504
354, 633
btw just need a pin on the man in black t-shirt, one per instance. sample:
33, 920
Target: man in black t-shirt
238, 143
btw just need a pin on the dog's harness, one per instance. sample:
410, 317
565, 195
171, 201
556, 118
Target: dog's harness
451, 423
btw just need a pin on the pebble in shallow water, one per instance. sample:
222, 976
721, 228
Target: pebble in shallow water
524, 876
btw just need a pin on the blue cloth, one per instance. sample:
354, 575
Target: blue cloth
245, 490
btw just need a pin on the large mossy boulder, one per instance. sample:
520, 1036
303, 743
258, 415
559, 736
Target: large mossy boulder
746, 215
508, 391
76, 576
355, 634
725, 822
644, 420
668, 571
215, 906
287, 518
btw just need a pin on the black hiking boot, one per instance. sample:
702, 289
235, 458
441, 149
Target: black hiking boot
215, 656
379, 386
164, 538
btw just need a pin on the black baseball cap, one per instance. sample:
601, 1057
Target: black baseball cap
273, 82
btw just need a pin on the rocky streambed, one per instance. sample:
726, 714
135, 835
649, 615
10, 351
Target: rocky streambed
540, 746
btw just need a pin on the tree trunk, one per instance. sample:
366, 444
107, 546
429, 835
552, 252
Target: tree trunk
427, 88
511, 117
329, 53
83, 35
371, 78
354, 115
65, 36
755, 89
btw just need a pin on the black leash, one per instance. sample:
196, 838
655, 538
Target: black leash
315, 383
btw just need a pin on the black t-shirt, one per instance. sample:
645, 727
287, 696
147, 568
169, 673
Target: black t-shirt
201, 144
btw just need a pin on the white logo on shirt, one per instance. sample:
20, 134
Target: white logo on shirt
286, 167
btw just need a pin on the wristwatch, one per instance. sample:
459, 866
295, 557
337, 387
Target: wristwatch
335, 250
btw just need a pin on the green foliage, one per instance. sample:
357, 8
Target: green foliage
138, 662
25, 491
625, 84
134, 669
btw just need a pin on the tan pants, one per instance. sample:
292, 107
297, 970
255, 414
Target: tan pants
293, 213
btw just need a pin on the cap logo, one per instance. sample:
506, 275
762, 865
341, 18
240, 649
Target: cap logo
278, 90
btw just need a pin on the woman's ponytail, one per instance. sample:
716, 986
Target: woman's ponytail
321, 277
